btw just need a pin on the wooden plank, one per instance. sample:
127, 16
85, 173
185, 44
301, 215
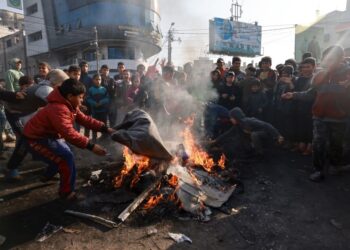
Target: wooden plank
131, 208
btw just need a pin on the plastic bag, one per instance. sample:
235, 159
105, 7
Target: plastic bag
140, 134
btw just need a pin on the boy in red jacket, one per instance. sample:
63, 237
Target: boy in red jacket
47, 132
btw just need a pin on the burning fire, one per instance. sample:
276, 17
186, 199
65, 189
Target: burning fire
131, 160
197, 156
221, 162
153, 201
173, 181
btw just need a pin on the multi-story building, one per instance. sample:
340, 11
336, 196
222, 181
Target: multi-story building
11, 33
64, 32
331, 29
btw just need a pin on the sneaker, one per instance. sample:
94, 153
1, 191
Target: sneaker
316, 176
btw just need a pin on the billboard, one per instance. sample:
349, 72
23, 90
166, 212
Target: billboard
15, 6
234, 38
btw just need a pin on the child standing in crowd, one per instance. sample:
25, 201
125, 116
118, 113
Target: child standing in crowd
215, 78
268, 78
47, 132
256, 101
86, 79
44, 69
134, 89
220, 66
121, 68
111, 87
236, 67
245, 85
303, 109
284, 109
229, 92
98, 100
74, 72
12, 75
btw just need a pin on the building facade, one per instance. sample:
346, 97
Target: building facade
11, 34
331, 29
64, 32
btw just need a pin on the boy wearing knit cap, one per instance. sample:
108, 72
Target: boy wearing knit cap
261, 134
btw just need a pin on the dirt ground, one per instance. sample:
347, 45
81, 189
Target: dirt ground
280, 209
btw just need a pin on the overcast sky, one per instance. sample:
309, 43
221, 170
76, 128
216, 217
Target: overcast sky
277, 16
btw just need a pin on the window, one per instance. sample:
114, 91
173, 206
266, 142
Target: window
35, 36
70, 59
8, 43
89, 55
32, 9
121, 53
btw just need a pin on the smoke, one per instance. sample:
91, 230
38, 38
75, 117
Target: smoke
179, 103
189, 19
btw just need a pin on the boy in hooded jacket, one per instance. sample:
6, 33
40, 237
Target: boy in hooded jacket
47, 132
259, 132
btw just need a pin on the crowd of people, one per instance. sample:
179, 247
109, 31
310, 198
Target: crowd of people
306, 103
303, 107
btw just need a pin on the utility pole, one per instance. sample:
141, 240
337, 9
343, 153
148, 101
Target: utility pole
171, 39
25, 51
236, 11
96, 47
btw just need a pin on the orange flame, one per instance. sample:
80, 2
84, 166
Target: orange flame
221, 162
173, 181
141, 162
153, 201
196, 154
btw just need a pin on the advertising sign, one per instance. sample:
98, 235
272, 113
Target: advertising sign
15, 6
234, 38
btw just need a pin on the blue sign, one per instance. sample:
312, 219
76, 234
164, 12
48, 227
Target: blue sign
234, 38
